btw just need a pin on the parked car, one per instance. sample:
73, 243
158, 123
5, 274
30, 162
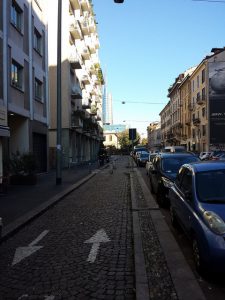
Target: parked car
205, 155
149, 165
174, 149
142, 158
216, 155
164, 172
197, 201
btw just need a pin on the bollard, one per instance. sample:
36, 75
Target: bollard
1, 227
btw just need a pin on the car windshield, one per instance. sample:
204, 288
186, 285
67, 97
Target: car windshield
144, 155
173, 164
210, 186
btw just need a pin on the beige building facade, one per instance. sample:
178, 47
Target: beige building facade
24, 81
82, 82
197, 106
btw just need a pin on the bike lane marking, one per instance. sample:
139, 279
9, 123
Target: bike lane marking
24, 252
99, 237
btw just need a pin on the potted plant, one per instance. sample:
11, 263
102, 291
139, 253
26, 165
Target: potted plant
23, 169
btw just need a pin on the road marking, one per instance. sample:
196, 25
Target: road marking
99, 237
23, 252
45, 297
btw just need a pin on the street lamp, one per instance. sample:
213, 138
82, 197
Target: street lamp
59, 100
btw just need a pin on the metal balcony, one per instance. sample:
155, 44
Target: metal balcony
76, 122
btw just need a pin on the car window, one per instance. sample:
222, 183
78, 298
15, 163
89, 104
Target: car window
173, 164
186, 182
210, 186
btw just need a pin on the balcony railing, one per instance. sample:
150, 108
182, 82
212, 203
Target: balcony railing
201, 99
196, 121
76, 121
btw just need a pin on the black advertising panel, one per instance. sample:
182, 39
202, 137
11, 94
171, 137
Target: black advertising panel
132, 134
217, 102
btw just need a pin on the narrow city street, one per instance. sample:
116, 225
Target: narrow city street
82, 248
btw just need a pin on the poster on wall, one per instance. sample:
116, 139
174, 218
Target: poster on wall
217, 102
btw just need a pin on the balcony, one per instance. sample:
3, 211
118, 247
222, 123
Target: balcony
76, 92
76, 120
85, 5
92, 25
196, 121
93, 111
75, 60
75, 29
85, 79
201, 99
86, 103
85, 53
84, 24
75, 3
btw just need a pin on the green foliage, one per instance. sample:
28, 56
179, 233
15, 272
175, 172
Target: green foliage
23, 164
123, 139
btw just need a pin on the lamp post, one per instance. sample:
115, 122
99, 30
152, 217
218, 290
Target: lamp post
59, 100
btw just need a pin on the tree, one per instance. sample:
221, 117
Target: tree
123, 139
144, 141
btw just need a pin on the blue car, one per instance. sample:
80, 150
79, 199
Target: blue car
197, 202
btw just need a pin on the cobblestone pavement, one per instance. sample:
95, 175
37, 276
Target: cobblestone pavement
82, 248
159, 280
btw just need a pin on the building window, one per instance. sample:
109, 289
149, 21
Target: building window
203, 112
198, 81
38, 89
193, 86
37, 41
203, 94
203, 130
16, 75
16, 15
203, 76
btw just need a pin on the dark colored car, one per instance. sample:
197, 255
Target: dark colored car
142, 158
164, 172
197, 201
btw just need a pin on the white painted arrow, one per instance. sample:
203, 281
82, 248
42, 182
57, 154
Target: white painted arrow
23, 252
96, 239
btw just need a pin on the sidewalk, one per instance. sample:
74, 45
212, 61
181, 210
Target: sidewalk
161, 271
21, 201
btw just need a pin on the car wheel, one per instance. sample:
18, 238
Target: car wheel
197, 256
173, 218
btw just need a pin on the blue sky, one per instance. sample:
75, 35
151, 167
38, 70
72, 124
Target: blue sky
145, 44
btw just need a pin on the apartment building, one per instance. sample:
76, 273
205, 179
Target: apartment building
166, 133
23, 84
82, 82
197, 106
154, 136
